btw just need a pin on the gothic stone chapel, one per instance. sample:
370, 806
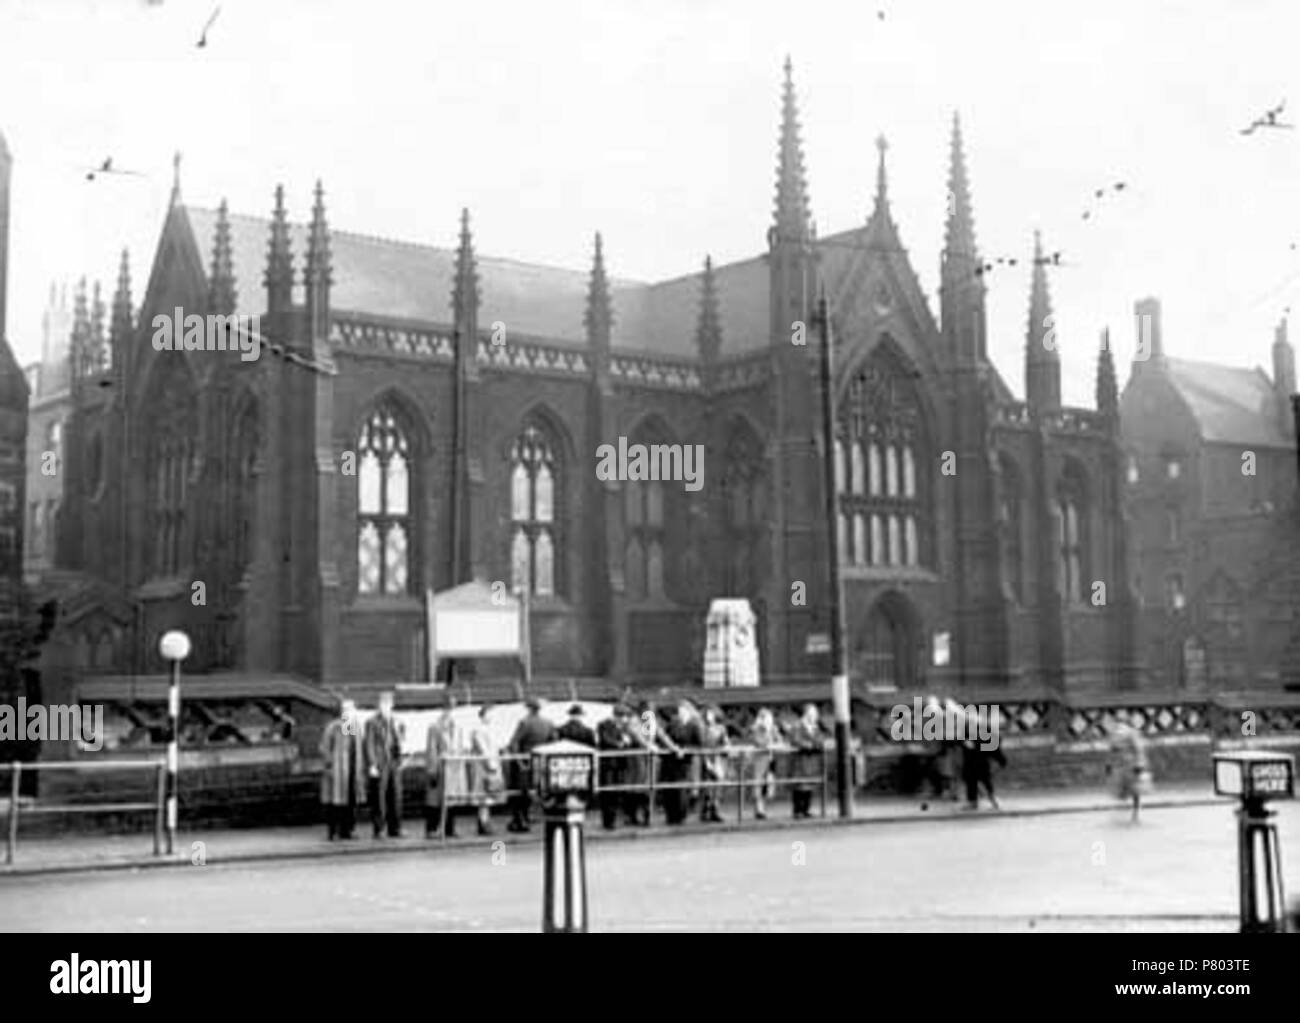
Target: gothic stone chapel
476, 460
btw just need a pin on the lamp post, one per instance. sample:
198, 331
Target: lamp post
565, 775
839, 668
1255, 777
174, 647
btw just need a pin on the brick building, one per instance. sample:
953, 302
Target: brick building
1211, 493
421, 416
13, 441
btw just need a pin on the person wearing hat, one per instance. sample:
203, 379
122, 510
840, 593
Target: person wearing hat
532, 731
342, 780
575, 729
615, 739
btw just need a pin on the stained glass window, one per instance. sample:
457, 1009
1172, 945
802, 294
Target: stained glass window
384, 504
881, 425
534, 496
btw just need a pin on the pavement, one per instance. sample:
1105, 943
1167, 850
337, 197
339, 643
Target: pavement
1067, 870
73, 853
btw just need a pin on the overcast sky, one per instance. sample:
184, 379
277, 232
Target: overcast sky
656, 124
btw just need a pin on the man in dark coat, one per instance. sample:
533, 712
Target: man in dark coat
534, 730
807, 738
614, 737
575, 729
976, 770
341, 779
685, 736
383, 752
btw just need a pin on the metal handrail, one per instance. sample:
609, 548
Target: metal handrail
16, 768
741, 781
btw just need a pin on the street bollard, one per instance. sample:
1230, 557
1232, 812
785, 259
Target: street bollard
1255, 777
564, 773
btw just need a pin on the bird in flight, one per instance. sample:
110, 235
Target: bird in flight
203, 36
107, 168
1100, 193
1269, 120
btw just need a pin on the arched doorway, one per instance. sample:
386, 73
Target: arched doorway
885, 647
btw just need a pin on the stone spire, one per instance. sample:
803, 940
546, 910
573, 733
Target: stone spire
279, 259
1042, 360
961, 284
791, 223
465, 294
122, 323
881, 230
318, 274
599, 316
708, 332
959, 231
80, 342
1107, 387
222, 298
98, 343
882, 179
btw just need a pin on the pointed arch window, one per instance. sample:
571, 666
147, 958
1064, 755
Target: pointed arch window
385, 528
883, 428
1072, 534
241, 476
172, 455
534, 499
744, 492
656, 552
1010, 514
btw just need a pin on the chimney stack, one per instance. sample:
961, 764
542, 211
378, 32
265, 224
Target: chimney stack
1150, 344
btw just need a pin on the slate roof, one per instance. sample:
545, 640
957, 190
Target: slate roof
383, 277
1231, 405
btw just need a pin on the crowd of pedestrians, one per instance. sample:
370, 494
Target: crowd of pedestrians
687, 759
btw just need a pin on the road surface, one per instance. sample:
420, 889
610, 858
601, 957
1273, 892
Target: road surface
1176, 870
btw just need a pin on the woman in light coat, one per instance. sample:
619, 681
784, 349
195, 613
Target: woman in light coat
765, 737
448, 785
484, 778
1129, 766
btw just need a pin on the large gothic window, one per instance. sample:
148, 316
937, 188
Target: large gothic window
1072, 534
883, 499
173, 453
241, 475
744, 489
1011, 522
534, 502
384, 519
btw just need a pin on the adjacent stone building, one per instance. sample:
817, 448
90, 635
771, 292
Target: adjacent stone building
13, 441
1211, 494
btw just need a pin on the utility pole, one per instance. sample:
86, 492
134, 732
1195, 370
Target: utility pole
839, 666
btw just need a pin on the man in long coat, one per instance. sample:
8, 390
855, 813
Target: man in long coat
534, 730
344, 769
614, 736
448, 785
383, 748
807, 738
683, 736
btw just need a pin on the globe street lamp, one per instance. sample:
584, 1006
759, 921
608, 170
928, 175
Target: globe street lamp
174, 647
